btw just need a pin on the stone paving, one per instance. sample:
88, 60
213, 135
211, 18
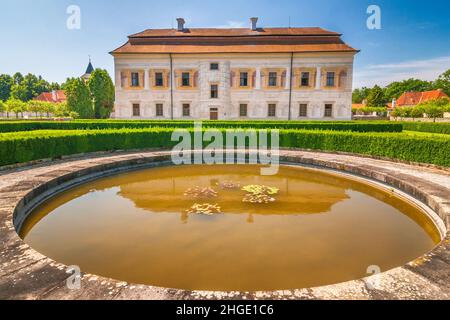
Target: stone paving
26, 274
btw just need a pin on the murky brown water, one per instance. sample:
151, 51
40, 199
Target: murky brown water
322, 229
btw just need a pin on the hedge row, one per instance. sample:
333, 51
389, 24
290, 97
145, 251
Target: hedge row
26, 146
11, 126
427, 127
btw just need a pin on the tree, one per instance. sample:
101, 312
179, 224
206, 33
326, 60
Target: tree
433, 111
443, 82
417, 112
102, 92
376, 98
6, 82
35, 107
396, 89
15, 105
79, 98
2, 106
17, 78
359, 95
29, 87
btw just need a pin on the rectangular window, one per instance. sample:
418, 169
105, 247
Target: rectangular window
159, 110
330, 79
305, 79
214, 91
328, 110
214, 66
272, 79
135, 79
243, 82
136, 110
272, 112
243, 110
159, 80
185, 79
303, 110
186, 110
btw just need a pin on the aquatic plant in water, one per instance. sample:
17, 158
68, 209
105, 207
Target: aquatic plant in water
201, 193
259, 194
205, 208
260, 189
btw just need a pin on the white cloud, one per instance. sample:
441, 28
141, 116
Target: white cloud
383, 74
232, 24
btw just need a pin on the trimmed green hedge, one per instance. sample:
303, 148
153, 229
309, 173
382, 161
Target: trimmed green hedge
427, 127
15, 126
27, 146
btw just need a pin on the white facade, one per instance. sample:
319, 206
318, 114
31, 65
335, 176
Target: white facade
257, 97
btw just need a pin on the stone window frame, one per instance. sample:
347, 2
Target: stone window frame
157, 105
297, 78
134, 105
193, 79
269, 106
300, 104
183, 105
235, 76
214, 63
126, 75
165, 78
241, 104
329, 103
211, 90
281, 78
337, 77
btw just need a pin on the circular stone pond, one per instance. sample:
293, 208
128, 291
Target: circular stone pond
301, 228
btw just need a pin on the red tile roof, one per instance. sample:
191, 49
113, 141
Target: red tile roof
270, 40
414, 98
57, 96
358, 106
233, 32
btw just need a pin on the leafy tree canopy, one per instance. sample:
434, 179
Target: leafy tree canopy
102, 90
397, 88
376, 98
6, 82
79, 98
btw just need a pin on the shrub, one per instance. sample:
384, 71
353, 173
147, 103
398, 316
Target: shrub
27, 146
427, 127
9, 126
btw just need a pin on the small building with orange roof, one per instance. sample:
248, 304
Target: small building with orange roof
56, 96
411, 99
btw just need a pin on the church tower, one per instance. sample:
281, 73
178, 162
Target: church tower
88, 72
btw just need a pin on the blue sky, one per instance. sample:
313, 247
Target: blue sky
414, 40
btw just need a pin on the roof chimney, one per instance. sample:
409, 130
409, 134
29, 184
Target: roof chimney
254, 21
181, 23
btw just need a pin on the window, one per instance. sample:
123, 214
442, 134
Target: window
135, 79
272, 79
243, 110
136, 110
303, 110
272, 110
159, 110
330, 79
243, 82
305, 79
214, 91
159, 80
214, 66
328, 110
185, 79
186, 110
